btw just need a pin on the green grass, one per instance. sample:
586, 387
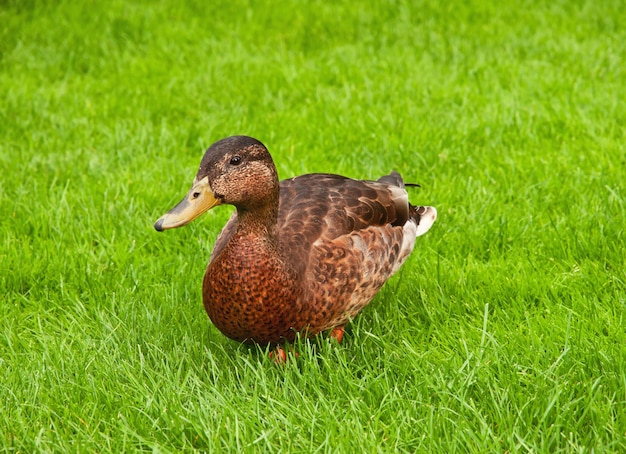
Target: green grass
504, 332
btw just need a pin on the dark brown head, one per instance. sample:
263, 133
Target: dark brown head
238, 171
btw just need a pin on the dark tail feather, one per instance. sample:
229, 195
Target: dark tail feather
396, 179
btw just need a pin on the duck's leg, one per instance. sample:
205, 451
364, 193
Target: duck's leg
279, 355
337, 333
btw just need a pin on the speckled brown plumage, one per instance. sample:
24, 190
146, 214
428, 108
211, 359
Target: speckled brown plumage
303, 255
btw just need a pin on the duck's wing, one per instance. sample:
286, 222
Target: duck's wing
325, 206
319, 209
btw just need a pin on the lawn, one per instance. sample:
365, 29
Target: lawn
505, 331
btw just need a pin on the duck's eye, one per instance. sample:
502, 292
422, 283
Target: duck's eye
196, 195
235, 160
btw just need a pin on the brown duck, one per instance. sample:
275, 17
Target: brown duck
302, 255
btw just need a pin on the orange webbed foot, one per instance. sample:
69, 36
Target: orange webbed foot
279, 355
337, 333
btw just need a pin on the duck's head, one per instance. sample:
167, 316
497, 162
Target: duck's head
237, 170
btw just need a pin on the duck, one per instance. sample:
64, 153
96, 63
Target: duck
300, 256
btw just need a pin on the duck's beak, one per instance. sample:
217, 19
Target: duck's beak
199, 199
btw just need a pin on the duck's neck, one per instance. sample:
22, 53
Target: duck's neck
258, 222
